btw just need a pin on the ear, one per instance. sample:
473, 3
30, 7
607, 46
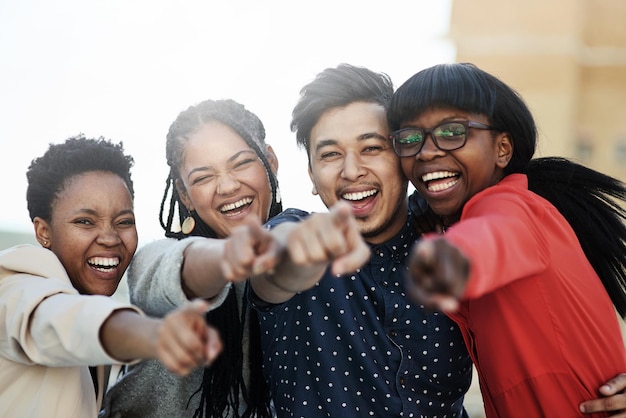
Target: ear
314, 190
184, 196
42, 231
271, 158
505, 149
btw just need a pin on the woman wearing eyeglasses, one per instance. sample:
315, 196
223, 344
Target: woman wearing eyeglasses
532, 257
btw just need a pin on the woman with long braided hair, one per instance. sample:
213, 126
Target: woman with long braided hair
222, 174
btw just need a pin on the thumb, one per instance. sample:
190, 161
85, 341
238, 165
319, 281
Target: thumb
198, 305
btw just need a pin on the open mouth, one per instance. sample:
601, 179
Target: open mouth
236, 206
104, 264
356, 196
440, 180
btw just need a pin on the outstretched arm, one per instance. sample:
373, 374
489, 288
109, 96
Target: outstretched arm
438, 273
614, 400
200, 273
301, 252
181, 341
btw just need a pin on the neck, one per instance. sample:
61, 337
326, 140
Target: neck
389, 228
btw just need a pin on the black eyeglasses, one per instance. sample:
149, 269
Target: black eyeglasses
447, 136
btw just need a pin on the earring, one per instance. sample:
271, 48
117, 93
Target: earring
188, 224
44, 243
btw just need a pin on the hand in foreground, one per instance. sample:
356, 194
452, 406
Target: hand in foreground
614, 400
250, 249
329, 237
438, 274
185, 341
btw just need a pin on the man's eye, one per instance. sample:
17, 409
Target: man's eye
329, 154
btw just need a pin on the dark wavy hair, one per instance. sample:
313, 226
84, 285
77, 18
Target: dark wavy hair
222, 382
48, 174
337, 87
592, 202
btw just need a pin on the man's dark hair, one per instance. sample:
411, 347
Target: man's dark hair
337, 87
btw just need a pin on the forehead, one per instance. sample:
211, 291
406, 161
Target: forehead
347, 124
91, 189
214, 142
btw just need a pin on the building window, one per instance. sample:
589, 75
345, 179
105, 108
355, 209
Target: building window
619, 153
583, 150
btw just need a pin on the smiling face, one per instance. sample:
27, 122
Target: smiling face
448, 179
351, 159
92, 231
224, 180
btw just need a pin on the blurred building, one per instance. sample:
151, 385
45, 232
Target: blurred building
567, 58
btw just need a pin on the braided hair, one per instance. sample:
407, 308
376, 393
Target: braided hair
222, 382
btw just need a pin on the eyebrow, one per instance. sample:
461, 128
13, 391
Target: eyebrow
362, 137
230, 160
94, 213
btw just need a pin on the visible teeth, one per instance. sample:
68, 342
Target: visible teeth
236, 205
359, 195
441, 186
437, 175
104, 263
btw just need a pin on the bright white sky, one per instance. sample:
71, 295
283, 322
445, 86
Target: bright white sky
124, 69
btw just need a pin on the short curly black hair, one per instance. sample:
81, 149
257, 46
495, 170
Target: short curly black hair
47, 175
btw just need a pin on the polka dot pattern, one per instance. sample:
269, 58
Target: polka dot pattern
356, 346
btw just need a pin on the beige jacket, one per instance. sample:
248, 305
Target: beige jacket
48, 337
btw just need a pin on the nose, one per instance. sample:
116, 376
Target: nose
352, 167
429, 149
227, 184
109, 236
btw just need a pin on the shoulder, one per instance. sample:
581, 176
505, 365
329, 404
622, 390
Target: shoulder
510, 197
288, 215
512, 189
163, 247
31, 259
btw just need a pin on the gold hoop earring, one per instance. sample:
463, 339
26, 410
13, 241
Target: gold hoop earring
188, 225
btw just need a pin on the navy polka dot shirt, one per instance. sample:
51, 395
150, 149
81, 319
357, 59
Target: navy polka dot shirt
355, 346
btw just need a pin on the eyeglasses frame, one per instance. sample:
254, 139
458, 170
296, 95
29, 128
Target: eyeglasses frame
467, 123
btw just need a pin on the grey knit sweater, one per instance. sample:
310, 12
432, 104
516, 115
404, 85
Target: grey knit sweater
148, 389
